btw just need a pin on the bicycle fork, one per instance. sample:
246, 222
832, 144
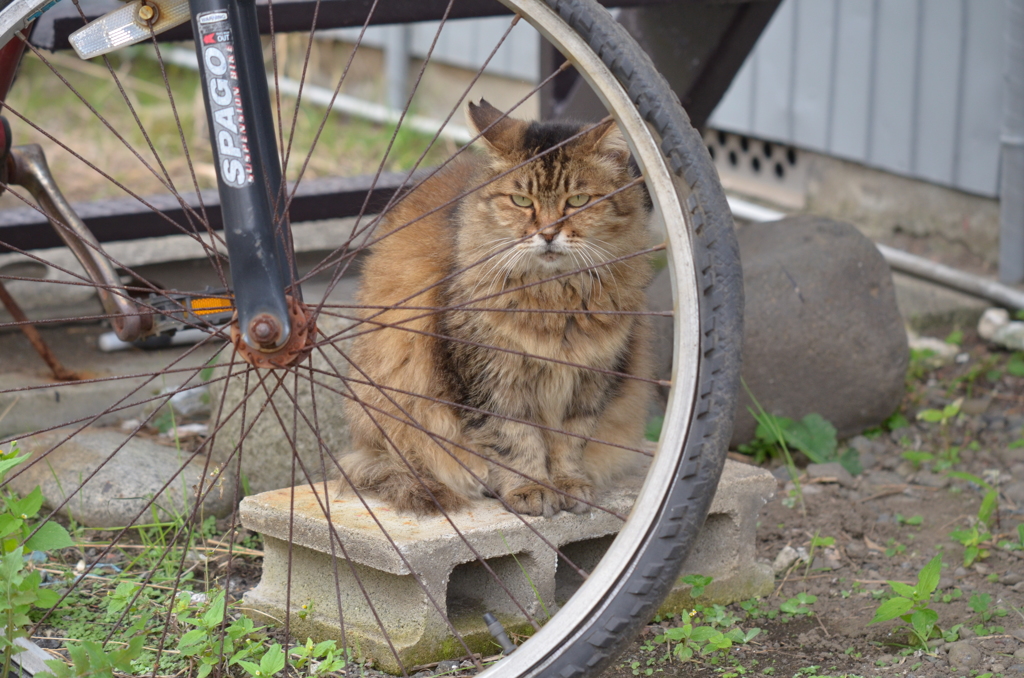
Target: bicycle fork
252, 194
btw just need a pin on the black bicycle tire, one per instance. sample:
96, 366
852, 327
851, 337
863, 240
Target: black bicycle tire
656, 565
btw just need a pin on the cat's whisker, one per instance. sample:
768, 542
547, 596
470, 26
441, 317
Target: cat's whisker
603, 265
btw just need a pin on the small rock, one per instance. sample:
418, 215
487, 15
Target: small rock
447, 666
831, 470
194, 402
884, 659
942, 353
966, 633
906, 469
422, 674
1016, 668
868, 450
785, 559
1018, 587
975, 406
964, 655
945, 582
1019, 654
997, 668
1017, 471
929, 479
960, 571
856, 549
122, 486
1015, 492
936, 643
991, 320
781, 474
885, 478
1017, 633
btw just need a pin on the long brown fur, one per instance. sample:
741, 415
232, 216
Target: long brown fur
485, 251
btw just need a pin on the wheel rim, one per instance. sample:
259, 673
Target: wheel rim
665, 188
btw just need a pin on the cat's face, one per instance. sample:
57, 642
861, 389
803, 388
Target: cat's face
572, 208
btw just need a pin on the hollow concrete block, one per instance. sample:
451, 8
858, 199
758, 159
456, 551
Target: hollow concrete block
369, 567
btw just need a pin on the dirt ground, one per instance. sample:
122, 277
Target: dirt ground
888, 523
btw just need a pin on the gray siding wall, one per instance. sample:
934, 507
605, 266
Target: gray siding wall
466, 43
910, 86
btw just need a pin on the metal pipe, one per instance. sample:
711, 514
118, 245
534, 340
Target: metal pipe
910, 264
1011, 189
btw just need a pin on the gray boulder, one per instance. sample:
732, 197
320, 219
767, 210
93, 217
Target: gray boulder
266, 455
129, 478
822, 330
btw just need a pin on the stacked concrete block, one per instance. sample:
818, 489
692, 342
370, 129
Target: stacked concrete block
367, 568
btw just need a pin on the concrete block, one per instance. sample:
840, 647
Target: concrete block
413, 569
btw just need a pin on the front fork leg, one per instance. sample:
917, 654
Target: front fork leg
252, 195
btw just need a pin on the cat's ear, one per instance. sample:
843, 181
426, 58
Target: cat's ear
607, 139
500, 133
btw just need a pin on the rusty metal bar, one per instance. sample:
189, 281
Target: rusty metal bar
60, 373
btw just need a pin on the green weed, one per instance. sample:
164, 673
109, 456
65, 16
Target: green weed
912, 604
20, 585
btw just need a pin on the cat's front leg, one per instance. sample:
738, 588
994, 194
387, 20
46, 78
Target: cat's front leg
518, 470
566, 464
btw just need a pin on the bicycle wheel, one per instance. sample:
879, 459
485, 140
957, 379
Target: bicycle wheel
286, 406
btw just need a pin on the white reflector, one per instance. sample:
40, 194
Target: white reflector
124, 27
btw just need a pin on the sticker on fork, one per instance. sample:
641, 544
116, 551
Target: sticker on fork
231, 141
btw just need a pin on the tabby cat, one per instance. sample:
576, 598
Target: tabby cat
503, 230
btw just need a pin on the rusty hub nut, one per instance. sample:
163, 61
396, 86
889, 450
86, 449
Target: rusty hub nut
148, 13
265, 330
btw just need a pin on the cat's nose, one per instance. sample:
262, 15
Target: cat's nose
548, 237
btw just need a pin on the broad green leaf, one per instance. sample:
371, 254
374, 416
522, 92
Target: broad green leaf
46, 598
9, 524
890, 609
702, 634
7, 464
924, 621
815, 437
930, 416
250, 668
679, 633
28, 506
970, 554
50, 537
928, 578
273, 661
204, 670
902, 589
751, 634
979, 602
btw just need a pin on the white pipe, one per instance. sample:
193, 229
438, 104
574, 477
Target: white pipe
901, 261
342, 103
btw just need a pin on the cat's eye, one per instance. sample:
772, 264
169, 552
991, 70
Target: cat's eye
578, 200
522, 200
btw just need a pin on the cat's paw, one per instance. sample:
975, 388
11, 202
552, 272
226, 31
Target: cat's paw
579, 493
533, 500
425, 497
